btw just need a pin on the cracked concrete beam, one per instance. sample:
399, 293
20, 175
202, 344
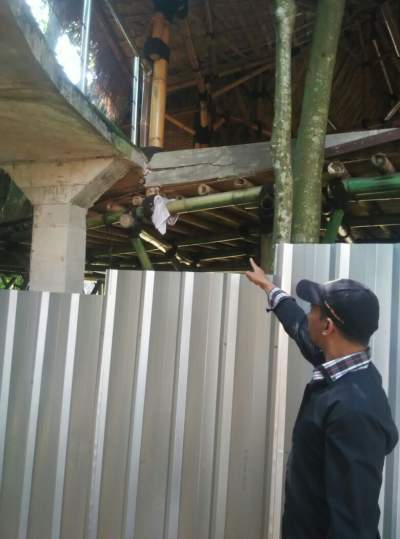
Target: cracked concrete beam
246, 160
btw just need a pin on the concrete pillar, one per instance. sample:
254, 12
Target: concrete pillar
60, 194
58, 248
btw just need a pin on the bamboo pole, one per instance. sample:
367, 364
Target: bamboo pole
161, 30
337, 169
204, 189
309, 151
215, 200
241, 80
383, 163
179, 124
370, 186
201, 84
142, 254
335, 222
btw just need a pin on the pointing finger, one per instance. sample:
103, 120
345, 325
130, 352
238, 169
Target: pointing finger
253, 264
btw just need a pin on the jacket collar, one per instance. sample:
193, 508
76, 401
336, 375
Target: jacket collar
336, 368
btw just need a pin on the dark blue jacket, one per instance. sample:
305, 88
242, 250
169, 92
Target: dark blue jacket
342, 433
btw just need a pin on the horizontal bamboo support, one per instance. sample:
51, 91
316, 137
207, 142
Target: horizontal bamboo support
215, 200
367, 186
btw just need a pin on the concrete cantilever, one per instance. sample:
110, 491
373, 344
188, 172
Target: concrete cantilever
45, 117
60, 151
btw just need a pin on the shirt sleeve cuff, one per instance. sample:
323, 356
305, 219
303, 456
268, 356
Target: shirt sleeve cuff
275, 297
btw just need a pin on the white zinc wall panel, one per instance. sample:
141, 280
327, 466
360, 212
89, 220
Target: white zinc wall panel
164, 409
142, 414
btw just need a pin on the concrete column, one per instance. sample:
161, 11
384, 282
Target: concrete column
58, 248
60, 194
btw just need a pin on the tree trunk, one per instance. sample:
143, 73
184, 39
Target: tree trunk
285, 11
309, 152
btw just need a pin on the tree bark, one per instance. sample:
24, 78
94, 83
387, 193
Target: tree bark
309, 152
285, 11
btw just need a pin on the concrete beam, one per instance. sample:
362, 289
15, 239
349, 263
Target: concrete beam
79, 182
246, 160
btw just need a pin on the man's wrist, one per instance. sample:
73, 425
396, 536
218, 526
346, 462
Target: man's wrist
268, 287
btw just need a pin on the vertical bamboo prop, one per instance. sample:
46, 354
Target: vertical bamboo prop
309, 152
285, 12
204, 114
161, 30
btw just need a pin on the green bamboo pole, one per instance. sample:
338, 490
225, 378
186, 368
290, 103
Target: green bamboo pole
216, 200
332, 229
105, 219
141, 253
368, 186
309, 151
281, 142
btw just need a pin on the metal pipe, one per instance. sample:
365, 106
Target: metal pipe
86, 19
145, 108
335, 222
142, 254
135, 100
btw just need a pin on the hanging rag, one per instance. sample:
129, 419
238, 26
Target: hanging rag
161, 216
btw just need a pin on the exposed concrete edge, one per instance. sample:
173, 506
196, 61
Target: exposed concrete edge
247, 160
44, 57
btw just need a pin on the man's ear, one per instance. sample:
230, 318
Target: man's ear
329, 326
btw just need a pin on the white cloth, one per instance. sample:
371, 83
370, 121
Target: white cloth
161, 216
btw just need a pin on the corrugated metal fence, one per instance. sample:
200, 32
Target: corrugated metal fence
164, 409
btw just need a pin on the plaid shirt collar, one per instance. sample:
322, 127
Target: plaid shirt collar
336, 368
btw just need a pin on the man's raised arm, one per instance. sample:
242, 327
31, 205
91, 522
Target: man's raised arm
288, 312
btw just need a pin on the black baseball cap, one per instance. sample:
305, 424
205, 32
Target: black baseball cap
353, 307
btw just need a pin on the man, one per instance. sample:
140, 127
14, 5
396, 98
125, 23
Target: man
344, 426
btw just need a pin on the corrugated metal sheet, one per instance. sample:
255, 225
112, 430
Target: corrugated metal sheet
164, 410
141, 414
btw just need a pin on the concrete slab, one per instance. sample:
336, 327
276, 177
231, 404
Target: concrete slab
43, 116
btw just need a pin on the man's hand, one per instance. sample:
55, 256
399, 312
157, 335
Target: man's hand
258, 277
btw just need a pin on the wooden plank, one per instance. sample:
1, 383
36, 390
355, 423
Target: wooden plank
246, 160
